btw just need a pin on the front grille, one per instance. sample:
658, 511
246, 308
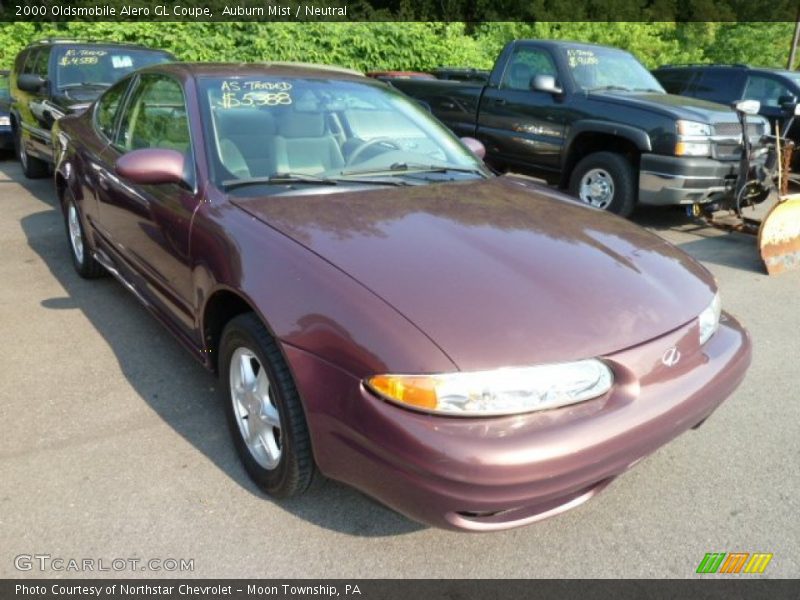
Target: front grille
730, 146
734, 129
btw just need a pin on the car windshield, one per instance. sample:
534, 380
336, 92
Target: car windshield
597, 68
279, 130
99, 66
3, 86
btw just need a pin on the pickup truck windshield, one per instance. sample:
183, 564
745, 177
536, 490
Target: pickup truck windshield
597, 68
98, 66
268, 130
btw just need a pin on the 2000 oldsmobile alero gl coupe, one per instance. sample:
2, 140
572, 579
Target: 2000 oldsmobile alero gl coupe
476, 351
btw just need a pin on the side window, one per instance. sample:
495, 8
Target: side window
19, 64
105, 115
39, 66
718, 85
764, 89
155, 117
524, 65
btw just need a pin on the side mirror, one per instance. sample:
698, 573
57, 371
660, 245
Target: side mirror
474, 146
545, 83
747, 107
788, 104
152, 166
29, 82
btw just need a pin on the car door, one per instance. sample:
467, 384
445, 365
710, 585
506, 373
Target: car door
149, 224
519, 125
769, 91
39, 105
97, 156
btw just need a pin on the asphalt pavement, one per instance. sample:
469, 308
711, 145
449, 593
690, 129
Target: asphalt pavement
114, 446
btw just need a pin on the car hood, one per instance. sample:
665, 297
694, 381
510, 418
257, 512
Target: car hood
499, 272
679, 107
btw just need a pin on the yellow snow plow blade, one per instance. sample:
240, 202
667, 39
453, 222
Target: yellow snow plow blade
779, 236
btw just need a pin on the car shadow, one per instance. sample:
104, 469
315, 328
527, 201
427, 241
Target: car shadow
711, 245
174, 385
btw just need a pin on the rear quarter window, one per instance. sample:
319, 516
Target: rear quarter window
718, 85
674, 82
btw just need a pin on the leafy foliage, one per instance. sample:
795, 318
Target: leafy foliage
426, 45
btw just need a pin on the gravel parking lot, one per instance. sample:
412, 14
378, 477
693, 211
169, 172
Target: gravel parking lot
114, 446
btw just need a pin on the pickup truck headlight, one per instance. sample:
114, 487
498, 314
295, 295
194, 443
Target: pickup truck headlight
709, 319
693, 139
5, 121
499, 392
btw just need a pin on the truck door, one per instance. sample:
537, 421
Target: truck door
524, 126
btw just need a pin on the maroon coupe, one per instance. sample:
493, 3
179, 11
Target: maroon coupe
476, 351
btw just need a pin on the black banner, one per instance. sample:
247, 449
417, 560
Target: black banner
399, 10
383, 589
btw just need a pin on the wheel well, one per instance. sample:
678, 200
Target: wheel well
589, 143
220, 308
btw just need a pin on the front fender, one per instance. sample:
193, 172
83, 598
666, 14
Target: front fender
634, 135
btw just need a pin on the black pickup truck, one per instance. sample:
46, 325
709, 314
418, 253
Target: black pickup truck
593, 120
54, 77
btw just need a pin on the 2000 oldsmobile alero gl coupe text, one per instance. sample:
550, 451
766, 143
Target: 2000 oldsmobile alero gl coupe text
475, 351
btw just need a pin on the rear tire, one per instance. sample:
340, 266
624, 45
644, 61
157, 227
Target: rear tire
263, 409
606, 181
32, 168
82, 258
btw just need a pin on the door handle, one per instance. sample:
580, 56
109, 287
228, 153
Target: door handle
500, 102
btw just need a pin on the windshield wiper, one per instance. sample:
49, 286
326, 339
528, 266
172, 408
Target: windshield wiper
417, 168
278, 179
654, 90
604, 88
81, 84
284, 178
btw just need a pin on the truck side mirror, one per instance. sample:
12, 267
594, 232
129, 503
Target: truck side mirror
28, 82
545, 83
747, 107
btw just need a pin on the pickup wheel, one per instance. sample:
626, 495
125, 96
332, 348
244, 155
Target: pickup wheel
263, 409
606, 181
32, 168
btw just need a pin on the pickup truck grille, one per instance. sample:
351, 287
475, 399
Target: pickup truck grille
727, 139
734, 129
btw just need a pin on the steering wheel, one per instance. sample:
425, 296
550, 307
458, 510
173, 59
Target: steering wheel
368, 144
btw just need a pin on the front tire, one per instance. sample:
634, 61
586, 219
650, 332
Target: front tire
32, 168
263, 409
605, 180
82, 259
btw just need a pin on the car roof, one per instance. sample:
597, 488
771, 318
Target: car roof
75, 41
571, 43
272, 69
743, 67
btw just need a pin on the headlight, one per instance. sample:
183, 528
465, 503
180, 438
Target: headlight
5, 121
709, 319
693, 128
499, 392
693, 139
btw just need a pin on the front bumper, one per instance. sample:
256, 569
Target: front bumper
496, 473
666, 180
